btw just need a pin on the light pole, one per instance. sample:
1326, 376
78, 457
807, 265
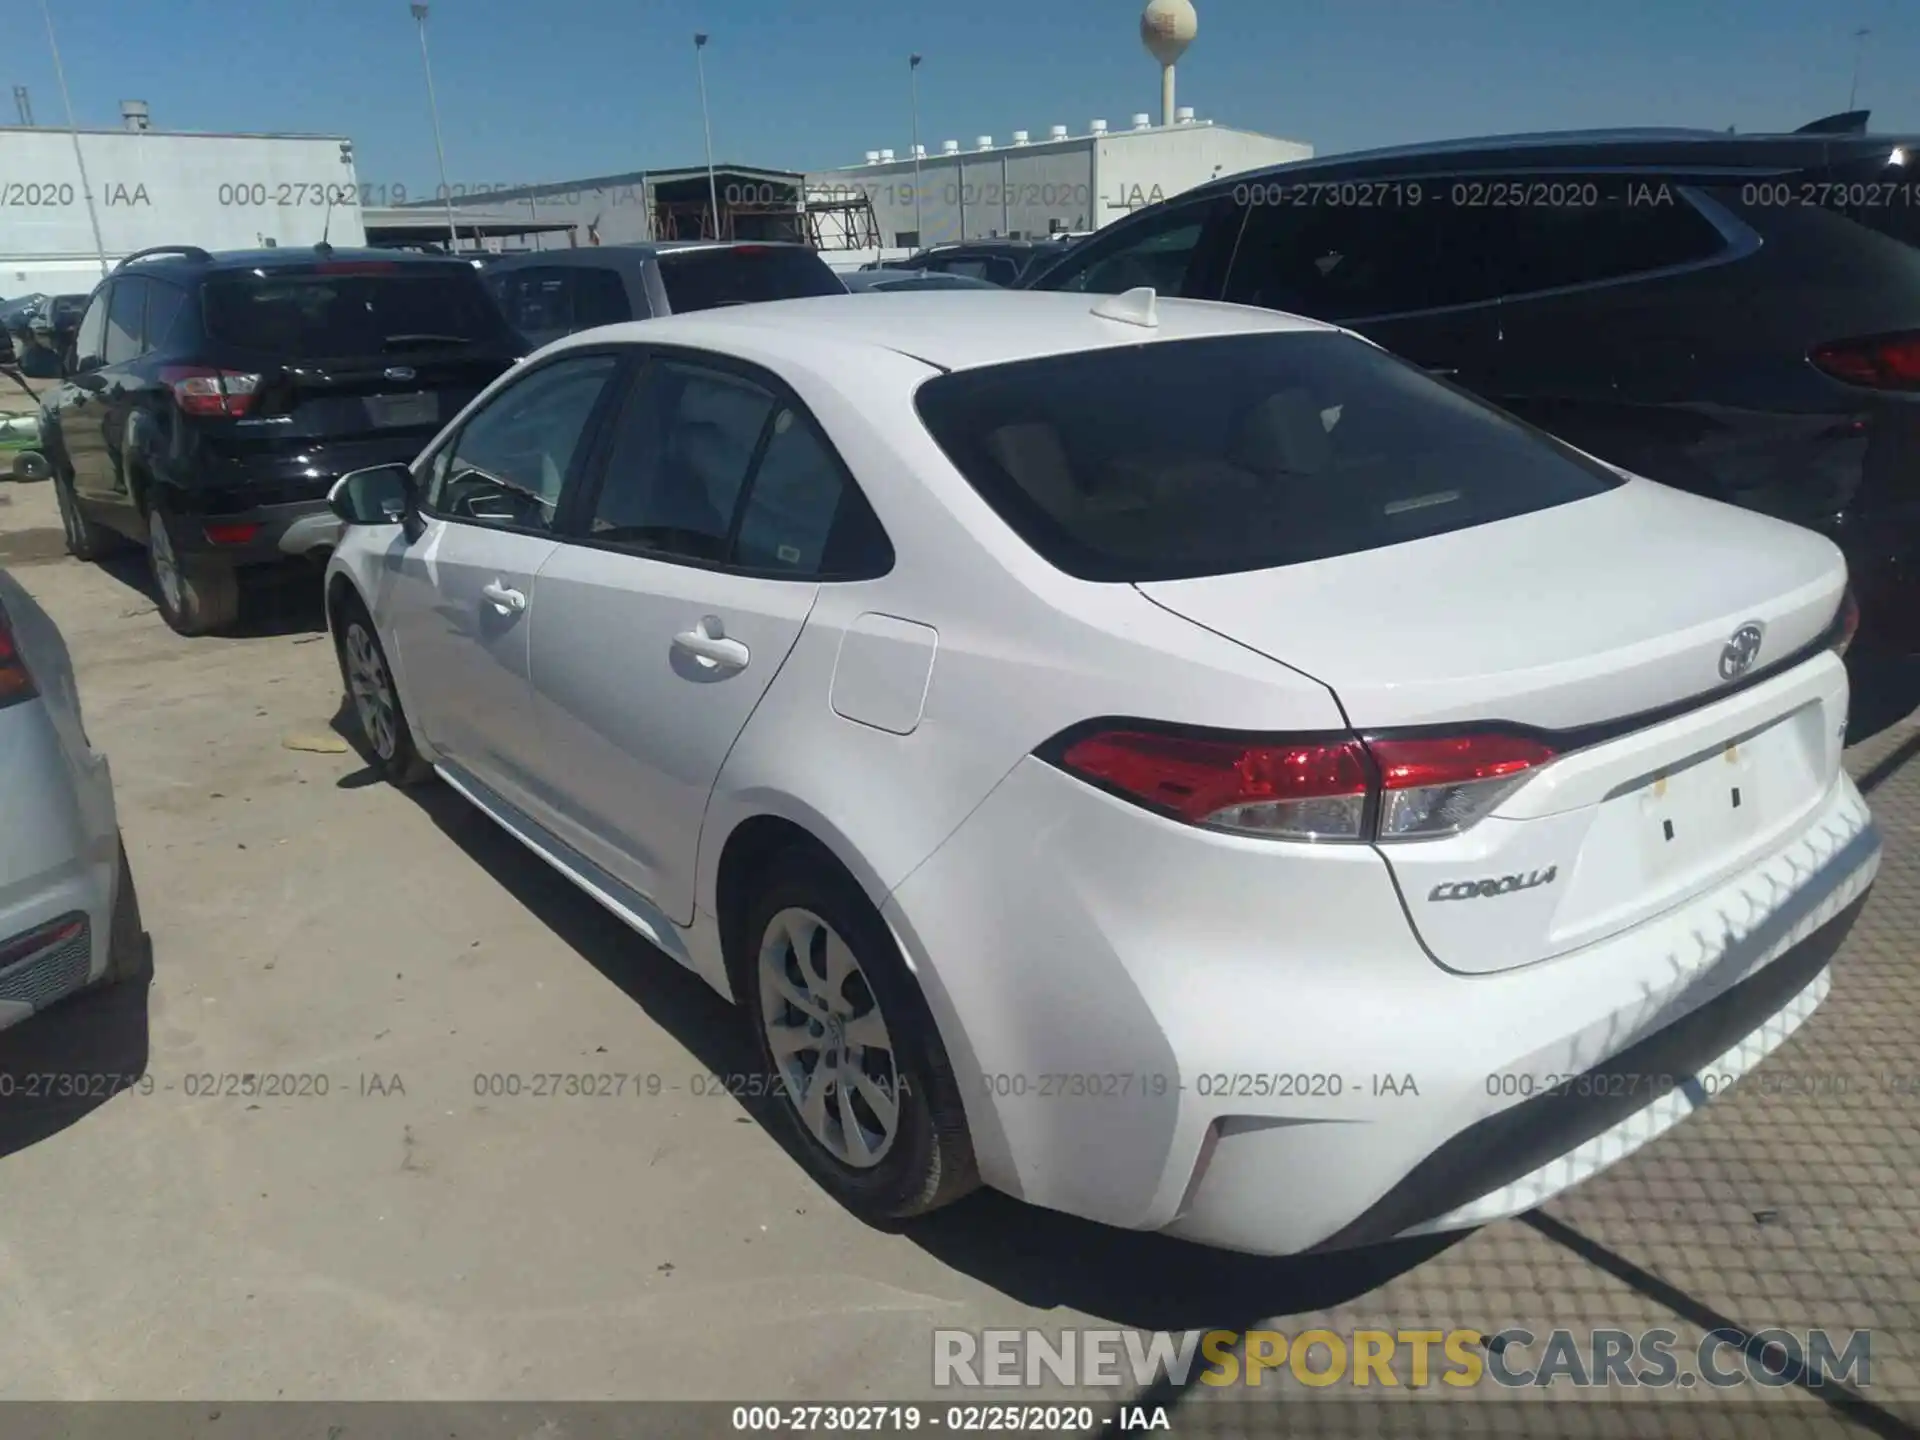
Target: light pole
913, 83
86, 188
446, 191
706, 126
1859, 48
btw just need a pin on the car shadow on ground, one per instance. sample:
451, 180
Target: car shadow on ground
1885, 692
1041, 1258
272, 602
60, 1065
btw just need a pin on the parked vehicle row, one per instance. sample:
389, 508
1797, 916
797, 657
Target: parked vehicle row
1276, 779
1115, 736
1738, 316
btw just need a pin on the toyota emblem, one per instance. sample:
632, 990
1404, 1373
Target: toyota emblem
1741, 650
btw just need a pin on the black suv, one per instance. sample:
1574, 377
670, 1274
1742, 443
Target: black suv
1006, 263
1734, 315
546, 294
209, 402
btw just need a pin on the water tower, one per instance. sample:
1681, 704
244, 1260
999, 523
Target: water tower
1167, 27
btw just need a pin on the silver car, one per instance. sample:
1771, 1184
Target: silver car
68, 914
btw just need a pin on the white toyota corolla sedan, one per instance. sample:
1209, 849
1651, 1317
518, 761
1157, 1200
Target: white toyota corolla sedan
1174, 763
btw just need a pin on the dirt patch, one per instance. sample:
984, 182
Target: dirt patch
32, 547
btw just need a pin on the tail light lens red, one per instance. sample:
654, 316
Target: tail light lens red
16, 683
1440, 785
1847, 624
1308, 788
230, 532
201, 390
1879, 362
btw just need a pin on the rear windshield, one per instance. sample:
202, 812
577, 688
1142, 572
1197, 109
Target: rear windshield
707, 279
309, 314
1205, 457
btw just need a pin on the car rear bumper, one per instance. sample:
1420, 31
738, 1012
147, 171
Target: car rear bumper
1173, 1030
61, 863
260, 535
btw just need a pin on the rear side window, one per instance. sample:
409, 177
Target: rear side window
163, 305
545, 302
1204, 457
708, 279
351, 311
1607, 230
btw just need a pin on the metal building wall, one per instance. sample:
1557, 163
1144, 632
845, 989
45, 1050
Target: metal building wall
220, 192
974, 194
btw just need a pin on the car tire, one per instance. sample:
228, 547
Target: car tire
129, 951
367, 675
193, 598
837, 1125
86, 539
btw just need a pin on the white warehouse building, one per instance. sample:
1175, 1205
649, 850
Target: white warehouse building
1032, 186
149, 187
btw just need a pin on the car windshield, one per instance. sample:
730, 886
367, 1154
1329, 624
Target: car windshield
309, 314
1245, 452
707, 279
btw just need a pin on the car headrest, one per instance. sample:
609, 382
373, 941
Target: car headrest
1032, 454
1284, 434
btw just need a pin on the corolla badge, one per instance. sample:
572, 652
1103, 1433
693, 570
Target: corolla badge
400, 372
1501, 885
1741, 650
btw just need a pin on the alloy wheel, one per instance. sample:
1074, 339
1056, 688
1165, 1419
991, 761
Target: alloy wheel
829, 1042
372, 690
166, 567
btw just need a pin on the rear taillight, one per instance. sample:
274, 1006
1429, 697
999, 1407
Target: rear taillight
202, 390
230, 532
1879, 362
1440, 785
1846, 624
1308, 788
1296, 790
16, 683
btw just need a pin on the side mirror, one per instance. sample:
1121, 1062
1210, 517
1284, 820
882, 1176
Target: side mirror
378, 495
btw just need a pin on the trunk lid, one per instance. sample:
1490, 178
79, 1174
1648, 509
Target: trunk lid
352, 351
1600, 622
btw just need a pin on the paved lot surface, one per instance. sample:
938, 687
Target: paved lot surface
405, 1237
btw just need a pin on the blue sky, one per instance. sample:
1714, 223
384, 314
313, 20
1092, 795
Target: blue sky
559, 89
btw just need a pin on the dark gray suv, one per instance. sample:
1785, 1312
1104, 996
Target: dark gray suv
546, 294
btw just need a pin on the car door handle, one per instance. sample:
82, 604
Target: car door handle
1445, 372
709, 642
511, 601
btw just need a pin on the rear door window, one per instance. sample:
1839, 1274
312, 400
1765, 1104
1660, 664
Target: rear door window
742, 274
1335, 262
352, 309
1203, 457
1181, 250
126, 319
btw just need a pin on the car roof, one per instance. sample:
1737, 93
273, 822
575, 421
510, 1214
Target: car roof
1670, 150
283, 257
631, 252
949, 329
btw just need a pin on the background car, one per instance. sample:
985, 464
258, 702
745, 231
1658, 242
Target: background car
1736, 315
1161, 759
212, 400
546, 294
1005, 263
862, 282
69, 916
